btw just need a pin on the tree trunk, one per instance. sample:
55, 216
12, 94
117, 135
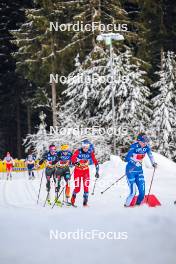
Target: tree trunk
161, 55
18, 117
53, 86
29, 127
54, 110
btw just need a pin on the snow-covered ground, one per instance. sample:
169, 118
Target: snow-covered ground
151, 232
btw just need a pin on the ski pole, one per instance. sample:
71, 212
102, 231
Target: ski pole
63, 196
40, 186
94, 186
151, 184
46, 199
113, 184
58, 197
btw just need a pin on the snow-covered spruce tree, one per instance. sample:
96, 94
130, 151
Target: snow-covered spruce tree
164, 112
132, 112
40, 140
133, 107
85, 85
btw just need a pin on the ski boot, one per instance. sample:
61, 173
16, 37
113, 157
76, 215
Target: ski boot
73, 199
58, 202
49, 201
67, 202
85, 199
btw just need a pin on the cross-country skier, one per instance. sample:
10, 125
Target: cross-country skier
134, 171
62, 170
50, 157
81, 159
9, 165
30, 164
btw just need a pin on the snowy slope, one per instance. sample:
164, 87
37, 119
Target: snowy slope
25, 227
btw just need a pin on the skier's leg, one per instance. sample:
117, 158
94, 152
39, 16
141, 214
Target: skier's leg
29, 173
48, 173
11, 174
132, 186
57, 188
141, 187
86, 182
67, 180
8, 174
57, 179
77, 182
33, 176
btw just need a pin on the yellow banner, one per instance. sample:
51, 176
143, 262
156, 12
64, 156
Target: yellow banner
19, 166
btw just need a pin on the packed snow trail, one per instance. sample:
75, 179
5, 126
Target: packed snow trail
25, 226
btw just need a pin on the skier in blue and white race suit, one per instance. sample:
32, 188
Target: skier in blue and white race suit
30, 163
134, 171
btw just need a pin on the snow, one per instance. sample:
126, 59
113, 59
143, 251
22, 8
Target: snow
25, 226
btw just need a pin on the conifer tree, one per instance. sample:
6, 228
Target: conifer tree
163, 123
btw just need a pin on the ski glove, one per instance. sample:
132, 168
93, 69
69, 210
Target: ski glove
97, 175
138, 164
76, 163
97, 168
135, 162
54, 162
41, 161
155, 165
67, 176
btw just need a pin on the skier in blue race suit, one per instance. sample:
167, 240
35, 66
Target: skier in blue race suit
50, 158
30, 163
134, 171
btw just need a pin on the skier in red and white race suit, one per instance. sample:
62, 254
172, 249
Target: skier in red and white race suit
9, 165
80, 159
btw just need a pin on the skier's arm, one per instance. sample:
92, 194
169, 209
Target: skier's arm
130, 154
74, 157
71, 155
44, 157
96, 164
94, 159
150, 155
13, 162
57, 158
130, 157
